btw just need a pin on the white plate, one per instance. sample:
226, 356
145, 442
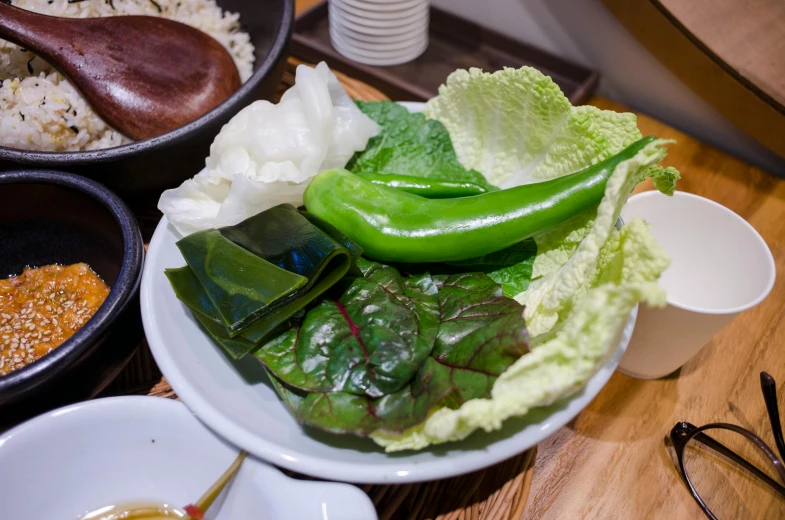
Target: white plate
136, 450
236, 400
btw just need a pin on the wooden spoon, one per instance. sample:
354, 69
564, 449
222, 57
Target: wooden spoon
143, 75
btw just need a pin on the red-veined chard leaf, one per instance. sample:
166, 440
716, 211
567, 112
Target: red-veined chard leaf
371, 341
478, 334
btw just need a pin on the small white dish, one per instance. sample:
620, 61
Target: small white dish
142, 450
378, 21
360, 45
379, 27
404, 53
366, 5
720, 266
235, 398
406, 36
388, 14
381, 61
411, 33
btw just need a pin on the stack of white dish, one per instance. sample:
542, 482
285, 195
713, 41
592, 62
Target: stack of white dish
379, 32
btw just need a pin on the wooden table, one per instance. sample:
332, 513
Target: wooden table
611, 462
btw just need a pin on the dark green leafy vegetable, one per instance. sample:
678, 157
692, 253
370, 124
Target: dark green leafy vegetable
370, 342
410, 144
473, 332
231, 277
342, 412
510, 267
245, 282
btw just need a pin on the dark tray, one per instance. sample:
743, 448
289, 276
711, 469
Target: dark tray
455, 43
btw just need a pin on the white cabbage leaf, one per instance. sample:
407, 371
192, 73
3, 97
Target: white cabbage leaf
268, 153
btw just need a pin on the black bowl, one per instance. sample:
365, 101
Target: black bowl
49, 217
150, 166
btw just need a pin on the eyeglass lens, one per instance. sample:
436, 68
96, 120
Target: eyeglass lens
728, 489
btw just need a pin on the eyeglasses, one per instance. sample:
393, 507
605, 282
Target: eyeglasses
733, 473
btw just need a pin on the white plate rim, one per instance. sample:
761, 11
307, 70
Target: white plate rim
315, 466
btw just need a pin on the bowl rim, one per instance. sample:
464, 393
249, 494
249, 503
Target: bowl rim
187, 131
31, 377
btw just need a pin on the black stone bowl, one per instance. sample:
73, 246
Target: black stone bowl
49, 217
150, 166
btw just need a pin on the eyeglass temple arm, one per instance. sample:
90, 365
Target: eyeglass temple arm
721, 448
769, 388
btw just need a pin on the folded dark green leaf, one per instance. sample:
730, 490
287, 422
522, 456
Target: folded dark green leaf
333, 232
245, 282
410, 144
190, 291
476, 333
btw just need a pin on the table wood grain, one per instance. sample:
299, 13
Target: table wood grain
611, 462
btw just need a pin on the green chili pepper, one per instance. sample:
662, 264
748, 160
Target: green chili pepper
394, 226
428, 188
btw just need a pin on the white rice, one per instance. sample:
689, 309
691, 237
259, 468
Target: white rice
40, 110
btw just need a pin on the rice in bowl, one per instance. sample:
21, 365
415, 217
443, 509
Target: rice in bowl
41, 110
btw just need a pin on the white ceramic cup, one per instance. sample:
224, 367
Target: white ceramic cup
720, 266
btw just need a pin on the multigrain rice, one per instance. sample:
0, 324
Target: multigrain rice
40, 110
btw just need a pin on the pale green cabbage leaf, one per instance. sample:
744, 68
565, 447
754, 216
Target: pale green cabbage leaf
516, 127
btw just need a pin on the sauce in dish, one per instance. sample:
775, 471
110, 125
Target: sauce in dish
195, 511
134, 512
43, 307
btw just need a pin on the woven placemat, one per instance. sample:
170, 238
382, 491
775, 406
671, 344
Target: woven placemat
499, 492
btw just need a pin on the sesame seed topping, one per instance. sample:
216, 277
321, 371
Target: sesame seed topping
42, 308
